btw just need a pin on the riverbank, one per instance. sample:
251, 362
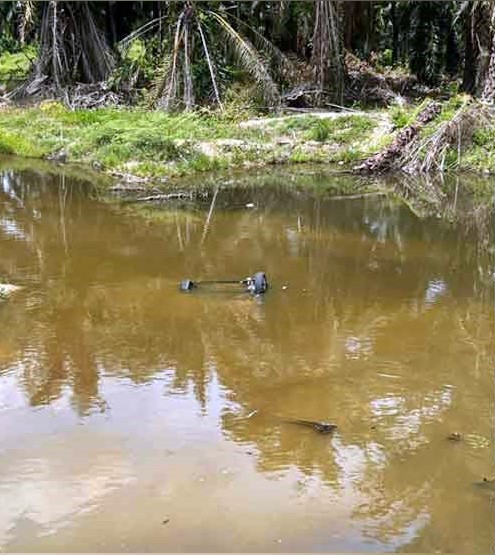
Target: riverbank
155, 145
144, 146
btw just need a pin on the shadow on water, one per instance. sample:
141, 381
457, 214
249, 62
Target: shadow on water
377, 319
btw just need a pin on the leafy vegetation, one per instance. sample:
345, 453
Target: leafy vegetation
192, 70
15, 66
189, 53
159, 144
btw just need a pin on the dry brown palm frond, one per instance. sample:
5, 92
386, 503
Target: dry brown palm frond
392, 157
28, 10
170, 77
178, 77
430, 154
140, 32
210, 66
72, 48
188, 78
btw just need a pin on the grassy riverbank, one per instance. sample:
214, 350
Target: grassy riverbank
157, 146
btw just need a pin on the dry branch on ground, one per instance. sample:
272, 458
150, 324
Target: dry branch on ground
390, 157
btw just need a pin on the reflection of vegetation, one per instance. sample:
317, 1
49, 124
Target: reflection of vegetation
43, 168
381, 312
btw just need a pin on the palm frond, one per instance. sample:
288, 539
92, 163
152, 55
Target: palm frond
285, 65
28, 9
249, 59
210, 65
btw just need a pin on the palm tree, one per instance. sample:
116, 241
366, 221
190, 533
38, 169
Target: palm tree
72, 45
328, 49
213, 29
488, 93
478, 40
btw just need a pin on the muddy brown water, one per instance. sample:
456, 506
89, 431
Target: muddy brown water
124, 402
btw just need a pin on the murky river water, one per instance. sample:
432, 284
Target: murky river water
126, 406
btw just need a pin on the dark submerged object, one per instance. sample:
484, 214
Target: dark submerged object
454, 436
257, 284
187, 285
320, 427
487, 484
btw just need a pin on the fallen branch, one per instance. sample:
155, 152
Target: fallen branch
431, 153
357, 196
391, 157
163, 198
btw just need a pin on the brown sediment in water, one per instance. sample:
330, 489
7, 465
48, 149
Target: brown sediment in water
122, 396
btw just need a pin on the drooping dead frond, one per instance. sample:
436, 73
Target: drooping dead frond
488, 94
177, 81
249, 59
169, 81
72, 48
188, 78
27, 9
210, 66
140, 32
285, 65
431, 153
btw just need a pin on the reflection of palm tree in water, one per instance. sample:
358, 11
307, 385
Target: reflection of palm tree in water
291, 354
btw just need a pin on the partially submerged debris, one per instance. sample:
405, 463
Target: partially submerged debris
475, 441
320, 427
165, 197
7, 289
485, 483
316, 425
58, 156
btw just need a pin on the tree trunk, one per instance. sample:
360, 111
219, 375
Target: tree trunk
328, 50
395, 33
470, 55
478, 40
488, 94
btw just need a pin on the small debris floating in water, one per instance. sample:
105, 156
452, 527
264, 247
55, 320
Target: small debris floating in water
7, 289
454, 436
321, 427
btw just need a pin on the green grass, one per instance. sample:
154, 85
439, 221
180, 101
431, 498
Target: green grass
114, 137
479, 154
403, 115
342, 130
15, 66
158, 144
